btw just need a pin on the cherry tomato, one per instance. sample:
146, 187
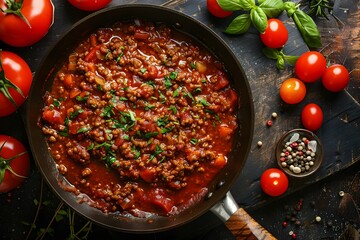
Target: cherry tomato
275, 35
215, 9
14, 163
310, 66
312, 116
274, 182
292, 91
335, 78
89, 5
17, 31
15, 82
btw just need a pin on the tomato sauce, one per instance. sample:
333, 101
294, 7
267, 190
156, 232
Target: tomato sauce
140, 119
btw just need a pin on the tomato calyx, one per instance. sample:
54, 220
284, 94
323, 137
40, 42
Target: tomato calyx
5, 84
14, 7
280, 57
5, 164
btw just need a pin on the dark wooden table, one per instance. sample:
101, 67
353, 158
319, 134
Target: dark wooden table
340, 135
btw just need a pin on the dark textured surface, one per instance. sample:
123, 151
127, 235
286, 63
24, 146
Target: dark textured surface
339, 134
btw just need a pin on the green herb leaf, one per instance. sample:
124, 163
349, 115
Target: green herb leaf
162, 122
176, 92
203, 102
193, 141
126, 137
150, 135
272, 8
83, 130
167, 130
56, 103
167, 82
143, 70
258, 19
239, 25
271, 53
291, 59
234, 5
81, 99
173, 75
107, 111
76, 113
307, 28
173, 109
192, 65
162, 97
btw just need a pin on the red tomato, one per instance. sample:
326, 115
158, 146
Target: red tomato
274, 182
14, 163
275, 35
214, 8
312, 117
89, 5
310, 66
335, 78
292, 91
38, 16
15, 82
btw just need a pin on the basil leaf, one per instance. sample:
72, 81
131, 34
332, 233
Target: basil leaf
272, 8
258, 19
271, 53
307, 28
239, 25
280, 63
291, 59
234, 5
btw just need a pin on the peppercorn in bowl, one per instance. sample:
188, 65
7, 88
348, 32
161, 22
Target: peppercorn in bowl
299, 153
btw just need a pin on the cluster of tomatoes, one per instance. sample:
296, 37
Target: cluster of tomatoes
309, 67
22, 24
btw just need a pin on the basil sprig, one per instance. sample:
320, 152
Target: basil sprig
280, 57
305, 25
257, 15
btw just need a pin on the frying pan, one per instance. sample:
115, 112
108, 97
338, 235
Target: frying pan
219, 187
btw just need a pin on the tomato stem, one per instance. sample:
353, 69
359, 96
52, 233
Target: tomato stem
14, 7
5, 84
5, 164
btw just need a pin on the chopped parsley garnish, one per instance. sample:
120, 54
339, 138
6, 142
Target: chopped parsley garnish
162, 122
123, 99
126, 137
83, 130
143, 70
193, 141
192, 65
176, 93
81, 99
76, 113
189, 95
173, 75
203, 102
108, 110
136, 152
119, 57
167, 82
148, 106
162, 97
173, 109
167, 129
56, 102
158, 150
151, 83
150, 135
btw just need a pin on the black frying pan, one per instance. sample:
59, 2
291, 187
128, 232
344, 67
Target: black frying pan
51, 64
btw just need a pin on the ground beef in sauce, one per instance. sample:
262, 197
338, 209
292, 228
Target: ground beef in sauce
140, 119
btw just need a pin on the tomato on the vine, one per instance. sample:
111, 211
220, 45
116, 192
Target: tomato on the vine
274, 182
275, 35
215, 9
24, 23
312, 116
15, 82
89, 5
14, 163
292, 91
310, 66
335, 78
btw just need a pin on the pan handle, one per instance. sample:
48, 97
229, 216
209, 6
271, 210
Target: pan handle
238, 221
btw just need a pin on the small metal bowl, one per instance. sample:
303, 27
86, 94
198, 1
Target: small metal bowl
305, 157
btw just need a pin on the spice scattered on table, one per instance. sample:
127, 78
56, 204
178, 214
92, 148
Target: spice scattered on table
259, 143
